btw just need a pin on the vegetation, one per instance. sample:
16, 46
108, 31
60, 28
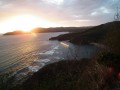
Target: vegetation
73, 75
6, 81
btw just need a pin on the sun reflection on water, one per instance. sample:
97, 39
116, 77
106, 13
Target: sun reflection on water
64, 44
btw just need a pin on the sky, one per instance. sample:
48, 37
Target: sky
62, 12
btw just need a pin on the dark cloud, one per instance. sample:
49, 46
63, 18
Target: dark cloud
65, 12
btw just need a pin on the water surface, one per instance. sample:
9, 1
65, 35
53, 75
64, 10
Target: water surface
25, 54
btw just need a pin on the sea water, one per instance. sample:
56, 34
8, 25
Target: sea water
26, 54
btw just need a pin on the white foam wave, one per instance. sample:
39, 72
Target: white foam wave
51, 52
35, 68
43, 60
57, 57
57, 47
22, 74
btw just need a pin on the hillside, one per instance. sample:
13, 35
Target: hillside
61, 29
69, 75
73, 75
95, 34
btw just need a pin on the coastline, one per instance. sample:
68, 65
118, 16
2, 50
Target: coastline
84, 73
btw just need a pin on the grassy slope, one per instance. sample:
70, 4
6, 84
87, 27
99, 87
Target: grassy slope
70, 75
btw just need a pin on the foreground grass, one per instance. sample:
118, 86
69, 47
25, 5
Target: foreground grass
72, 75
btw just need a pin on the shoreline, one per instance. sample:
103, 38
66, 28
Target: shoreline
100, 72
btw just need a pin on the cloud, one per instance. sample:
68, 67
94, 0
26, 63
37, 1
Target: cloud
100, 11
62, 10
57, 2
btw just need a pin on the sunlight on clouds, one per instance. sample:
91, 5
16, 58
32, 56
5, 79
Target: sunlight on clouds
94, 13
83, 20
58, 2
24, 22
59, 10
104, 10
99, 11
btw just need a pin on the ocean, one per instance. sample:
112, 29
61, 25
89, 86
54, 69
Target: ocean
22, 55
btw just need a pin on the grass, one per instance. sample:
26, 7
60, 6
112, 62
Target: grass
72, 75
6, 81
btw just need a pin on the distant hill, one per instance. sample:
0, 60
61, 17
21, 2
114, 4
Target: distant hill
61, 29
47, 30
18, 32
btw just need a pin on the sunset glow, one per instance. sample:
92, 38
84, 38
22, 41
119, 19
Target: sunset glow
27, 14
24, 23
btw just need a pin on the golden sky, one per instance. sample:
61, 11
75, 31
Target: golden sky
28, 14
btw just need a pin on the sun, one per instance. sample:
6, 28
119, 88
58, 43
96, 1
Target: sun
21, 22
24, 23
